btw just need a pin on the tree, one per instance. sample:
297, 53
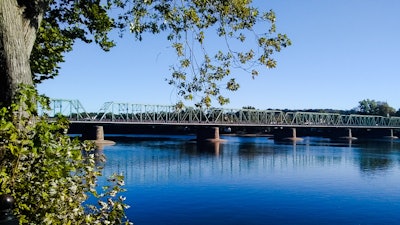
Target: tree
385, 110
368, 107
372, 107
34, 35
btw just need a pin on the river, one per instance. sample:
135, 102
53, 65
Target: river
254, 180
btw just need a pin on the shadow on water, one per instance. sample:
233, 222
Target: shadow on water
204, 148
185, 143
378, 156
254, 150
130, 139
371, 156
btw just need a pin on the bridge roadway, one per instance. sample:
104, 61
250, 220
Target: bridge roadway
139, 114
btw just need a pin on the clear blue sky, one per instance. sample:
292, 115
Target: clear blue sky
343, 51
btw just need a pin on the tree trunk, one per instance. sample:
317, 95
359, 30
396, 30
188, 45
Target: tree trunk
19, 21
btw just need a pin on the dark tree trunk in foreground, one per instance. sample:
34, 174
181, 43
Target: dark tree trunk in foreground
19, 20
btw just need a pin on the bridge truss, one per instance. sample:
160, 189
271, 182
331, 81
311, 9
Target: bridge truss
162, 114
72, 109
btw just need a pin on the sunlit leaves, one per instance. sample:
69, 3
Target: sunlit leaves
200, 37
178, 48
49, 174
191, 27
245, 56
48, 52
270, 16
185, 63
63, 22
188, 25
232, 85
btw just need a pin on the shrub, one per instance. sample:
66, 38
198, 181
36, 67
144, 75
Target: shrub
51, 175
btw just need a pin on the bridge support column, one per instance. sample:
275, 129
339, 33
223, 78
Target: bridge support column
208, 134
349, 135
294, 135
285, 134
391, 135
97, 135
94, 133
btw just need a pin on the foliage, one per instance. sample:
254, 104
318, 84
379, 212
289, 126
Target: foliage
199, 73
186, 23
372, 107
49, 174
63, 22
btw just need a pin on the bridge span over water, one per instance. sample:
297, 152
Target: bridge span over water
162, 115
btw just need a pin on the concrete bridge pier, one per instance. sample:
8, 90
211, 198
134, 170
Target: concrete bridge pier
349, 135
294, 136
286, 134
391, 135
208, 134
97, 135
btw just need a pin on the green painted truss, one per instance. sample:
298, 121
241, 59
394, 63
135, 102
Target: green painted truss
161, 114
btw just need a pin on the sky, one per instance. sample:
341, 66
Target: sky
343, 51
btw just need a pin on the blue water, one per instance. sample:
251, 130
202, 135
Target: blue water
253, 180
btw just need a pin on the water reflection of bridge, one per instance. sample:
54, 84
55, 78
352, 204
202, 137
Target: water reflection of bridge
181, 160
116, 114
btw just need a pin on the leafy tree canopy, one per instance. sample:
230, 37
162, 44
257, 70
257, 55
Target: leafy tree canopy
372, 107
186, 24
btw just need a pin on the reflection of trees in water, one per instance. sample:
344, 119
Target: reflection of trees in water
177, 159
377, 156
372, 165
251, 150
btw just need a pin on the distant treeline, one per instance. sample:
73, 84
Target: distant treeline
365, 107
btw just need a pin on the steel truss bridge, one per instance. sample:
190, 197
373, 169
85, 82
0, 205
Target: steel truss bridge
127, 113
